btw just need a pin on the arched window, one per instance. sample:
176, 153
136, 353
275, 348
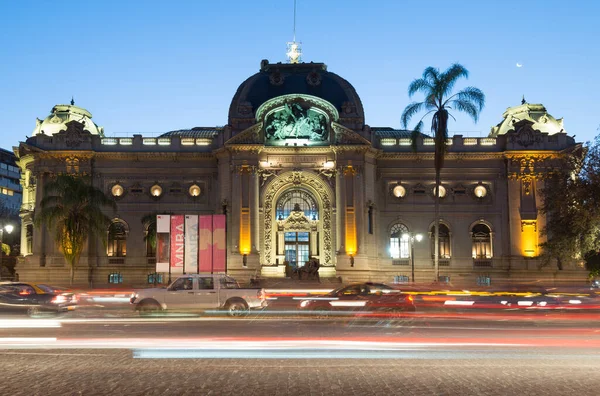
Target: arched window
288, 201
399, 247
117, 239
444, 241
482, 241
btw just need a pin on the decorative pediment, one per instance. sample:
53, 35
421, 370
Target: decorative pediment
248, 136
74, 135
297, 221
524, 135
345, 136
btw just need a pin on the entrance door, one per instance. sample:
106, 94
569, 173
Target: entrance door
297, 248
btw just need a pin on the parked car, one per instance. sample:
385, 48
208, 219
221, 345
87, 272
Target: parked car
200, 293
368, 297
35, 299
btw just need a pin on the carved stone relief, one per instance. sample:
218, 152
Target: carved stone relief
296, 178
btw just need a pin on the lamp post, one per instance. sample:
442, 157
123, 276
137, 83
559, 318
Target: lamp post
9, 229
412, 237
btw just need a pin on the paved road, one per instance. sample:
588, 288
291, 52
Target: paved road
457, 354
117, 372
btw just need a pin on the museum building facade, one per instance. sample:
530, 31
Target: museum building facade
299, 174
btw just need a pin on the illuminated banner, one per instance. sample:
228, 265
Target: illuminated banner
163, 228
219, 243
206, 240
205, 250
191, 244
177, 244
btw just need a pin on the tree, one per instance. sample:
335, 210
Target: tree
571, 203
72, 210
437, 89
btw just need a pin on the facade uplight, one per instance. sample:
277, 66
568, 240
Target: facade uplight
442, 191
328, 164
480, 191
399, 191
195, 190
156, 190
117, 190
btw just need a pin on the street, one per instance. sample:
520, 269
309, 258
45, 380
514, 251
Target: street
493, 354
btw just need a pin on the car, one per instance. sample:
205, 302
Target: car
364, 297
200, 292
35, 299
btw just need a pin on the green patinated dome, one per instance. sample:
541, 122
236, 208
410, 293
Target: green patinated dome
274, 80
61, 115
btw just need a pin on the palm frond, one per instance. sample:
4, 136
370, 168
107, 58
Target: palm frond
466, 107
409, 112
419, 85
432, 75
473, 95
450, 76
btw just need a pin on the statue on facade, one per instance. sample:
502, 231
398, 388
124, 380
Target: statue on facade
294, 122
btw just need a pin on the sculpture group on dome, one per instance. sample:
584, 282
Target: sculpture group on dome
293, 121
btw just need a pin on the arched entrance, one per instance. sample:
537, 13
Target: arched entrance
297, 226
297, 218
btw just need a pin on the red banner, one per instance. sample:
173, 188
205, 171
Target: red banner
205, 251
219, 249
177, 244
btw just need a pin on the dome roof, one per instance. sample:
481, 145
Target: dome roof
535, 113
274, 80
62, 114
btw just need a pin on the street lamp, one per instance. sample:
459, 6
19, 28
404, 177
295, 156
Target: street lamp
9, 229
412, 237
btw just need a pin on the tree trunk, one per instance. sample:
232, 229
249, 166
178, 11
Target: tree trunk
72, 273
436, 236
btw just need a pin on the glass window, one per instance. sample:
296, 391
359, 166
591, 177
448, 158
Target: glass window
297, 199
482, 242
183, 283
155, 278
117, 239
115, 277
206, 283
399, 247
150, 239
444, 241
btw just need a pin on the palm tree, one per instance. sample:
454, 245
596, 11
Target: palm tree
72, 210
437, 88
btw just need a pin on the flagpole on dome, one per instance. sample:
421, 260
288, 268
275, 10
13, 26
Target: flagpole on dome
294, 48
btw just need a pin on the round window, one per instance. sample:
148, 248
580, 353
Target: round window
480, 191
117, 190
156, 190
399, 191
442, 191
195, 190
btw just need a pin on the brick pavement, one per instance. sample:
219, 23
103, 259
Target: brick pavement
115, 372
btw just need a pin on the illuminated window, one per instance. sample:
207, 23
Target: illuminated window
117, 239
117, 190
399, 247
399, 191
444, 241
155, 278
482, 241
115, 277
306, 202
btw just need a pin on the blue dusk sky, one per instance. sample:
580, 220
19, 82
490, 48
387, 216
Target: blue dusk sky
154, 66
